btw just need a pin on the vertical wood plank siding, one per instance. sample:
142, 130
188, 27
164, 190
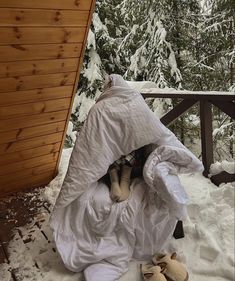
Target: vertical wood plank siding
42, 45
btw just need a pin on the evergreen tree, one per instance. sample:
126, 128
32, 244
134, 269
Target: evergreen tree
148, 53
175, 43
91, 80
219, 27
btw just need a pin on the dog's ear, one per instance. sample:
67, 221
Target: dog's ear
162, 265
148, 275
173, 256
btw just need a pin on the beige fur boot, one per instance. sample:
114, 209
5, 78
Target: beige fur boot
152, 273
172, 269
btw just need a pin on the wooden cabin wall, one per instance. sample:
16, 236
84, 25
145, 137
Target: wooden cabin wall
42, 45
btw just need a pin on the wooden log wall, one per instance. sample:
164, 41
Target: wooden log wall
42, 45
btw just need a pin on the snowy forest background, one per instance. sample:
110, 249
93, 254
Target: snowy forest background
180, 44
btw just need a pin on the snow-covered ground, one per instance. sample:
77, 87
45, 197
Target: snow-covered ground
207, 249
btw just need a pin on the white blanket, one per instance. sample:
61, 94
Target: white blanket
92, 232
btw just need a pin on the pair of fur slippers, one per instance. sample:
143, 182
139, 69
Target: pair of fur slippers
164, 268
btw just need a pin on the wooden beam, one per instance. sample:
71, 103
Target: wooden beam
206, 135
227, 107
178, 110
222, 177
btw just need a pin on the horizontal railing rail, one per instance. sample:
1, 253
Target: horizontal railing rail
223, 100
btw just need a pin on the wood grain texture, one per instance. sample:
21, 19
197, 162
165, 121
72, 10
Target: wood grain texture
49, 167
35, 120
26, 133
33, 108
48, 4
28, 164
35, 95
41, 35
15, 52
37, 67
29, 153
77, 80
27, 183
30, 143
222, 177
33, 17
20, 83
206, 136
42, 44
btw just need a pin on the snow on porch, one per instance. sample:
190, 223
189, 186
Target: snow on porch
207, 249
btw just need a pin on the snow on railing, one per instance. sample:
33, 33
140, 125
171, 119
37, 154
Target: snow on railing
172, 92
223, 100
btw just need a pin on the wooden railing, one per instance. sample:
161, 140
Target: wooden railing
223, 100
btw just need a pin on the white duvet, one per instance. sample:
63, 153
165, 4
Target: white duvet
91, 232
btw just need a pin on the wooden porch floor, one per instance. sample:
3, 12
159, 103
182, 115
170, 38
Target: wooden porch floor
17, 211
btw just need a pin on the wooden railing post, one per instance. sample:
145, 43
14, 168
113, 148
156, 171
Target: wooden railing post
225, 101
206, 135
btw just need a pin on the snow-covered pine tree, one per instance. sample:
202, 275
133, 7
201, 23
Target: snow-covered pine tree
219, 32
212, 46
147, 52
109, 37
180, 21
101, 58
91, 80
155, 47
161, 41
